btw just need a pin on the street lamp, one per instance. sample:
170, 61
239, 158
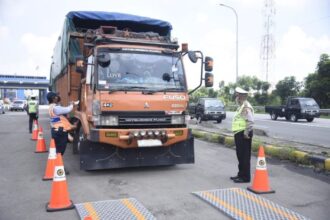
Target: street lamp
223, 5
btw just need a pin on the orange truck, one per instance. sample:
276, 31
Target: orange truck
129, 77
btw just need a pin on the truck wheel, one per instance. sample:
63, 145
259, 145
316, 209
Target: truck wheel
287, 118
293, 117
310, 119
219, 120
79, 136
273, 116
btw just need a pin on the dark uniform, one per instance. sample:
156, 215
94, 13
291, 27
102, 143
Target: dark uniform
32, 110
243, 130
58, 122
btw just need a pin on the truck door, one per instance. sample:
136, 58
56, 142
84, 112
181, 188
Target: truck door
293, 106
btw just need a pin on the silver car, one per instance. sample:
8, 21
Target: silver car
18, 105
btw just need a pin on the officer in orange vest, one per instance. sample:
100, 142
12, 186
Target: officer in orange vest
242, 127
60, 126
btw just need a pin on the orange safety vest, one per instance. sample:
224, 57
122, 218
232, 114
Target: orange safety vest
57, 121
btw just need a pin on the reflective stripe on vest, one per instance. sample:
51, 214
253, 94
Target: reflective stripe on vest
239, 123
32, 106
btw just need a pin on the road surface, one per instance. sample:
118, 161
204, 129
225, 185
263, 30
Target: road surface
164, 191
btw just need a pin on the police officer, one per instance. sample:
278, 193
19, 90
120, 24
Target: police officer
242, 127
60, 126
32, 110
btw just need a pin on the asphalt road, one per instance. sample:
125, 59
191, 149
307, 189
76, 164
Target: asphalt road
314, 133
164, 191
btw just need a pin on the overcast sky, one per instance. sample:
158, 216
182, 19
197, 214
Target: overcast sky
29, 29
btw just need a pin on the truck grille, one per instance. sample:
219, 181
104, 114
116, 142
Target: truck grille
141, 118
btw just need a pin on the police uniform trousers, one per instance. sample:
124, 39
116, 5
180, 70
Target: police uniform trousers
32, 117
61, 139
243, 153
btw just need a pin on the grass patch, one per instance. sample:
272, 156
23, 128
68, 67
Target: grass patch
198, 134
229, 142
255, 145
325, 116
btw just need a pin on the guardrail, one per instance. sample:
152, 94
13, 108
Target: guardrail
325, 111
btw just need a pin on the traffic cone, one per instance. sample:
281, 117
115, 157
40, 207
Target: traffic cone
35, 130
49, 173
59, 198
260, 184
41, 144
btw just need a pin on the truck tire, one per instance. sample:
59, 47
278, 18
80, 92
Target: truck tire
293, 118
310, 119
79, 136
219, 120
273, 116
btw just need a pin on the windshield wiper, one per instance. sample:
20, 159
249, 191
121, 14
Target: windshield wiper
164, 90
126, 88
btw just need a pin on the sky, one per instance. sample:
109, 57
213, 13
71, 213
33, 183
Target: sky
301, 30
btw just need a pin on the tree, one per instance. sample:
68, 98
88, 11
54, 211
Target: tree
203, 92
287, 87
317, 85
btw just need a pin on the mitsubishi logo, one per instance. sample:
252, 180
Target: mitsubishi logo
146, 105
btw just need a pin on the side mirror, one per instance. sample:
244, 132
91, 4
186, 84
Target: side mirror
166, 77
192, 56
80, 64
103, 59
208, 79
208, 64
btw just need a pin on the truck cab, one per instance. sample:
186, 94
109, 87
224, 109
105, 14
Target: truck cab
296, 108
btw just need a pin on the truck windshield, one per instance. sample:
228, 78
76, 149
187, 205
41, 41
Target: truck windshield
308, 102
142, 71
213, 103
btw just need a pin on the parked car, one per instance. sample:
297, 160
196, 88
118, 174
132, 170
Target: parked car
2, 107
208, 109
18, 105
295, 108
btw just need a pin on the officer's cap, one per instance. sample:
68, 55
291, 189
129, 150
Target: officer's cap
241, 91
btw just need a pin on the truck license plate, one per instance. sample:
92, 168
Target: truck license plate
149, 143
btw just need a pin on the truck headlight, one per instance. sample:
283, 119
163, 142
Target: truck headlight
108, 120
303, 111
178, 119
96, 107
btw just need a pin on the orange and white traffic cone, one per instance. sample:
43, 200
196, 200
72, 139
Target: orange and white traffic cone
49, 173
41, 144
35, 130
59, 198
260, 182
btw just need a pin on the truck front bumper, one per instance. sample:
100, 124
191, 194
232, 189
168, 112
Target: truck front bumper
214, 117
95, 156
134, 138
310, 115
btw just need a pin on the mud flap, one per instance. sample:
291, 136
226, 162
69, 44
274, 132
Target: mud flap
96, 156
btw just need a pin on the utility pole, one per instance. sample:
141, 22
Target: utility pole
268, 41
